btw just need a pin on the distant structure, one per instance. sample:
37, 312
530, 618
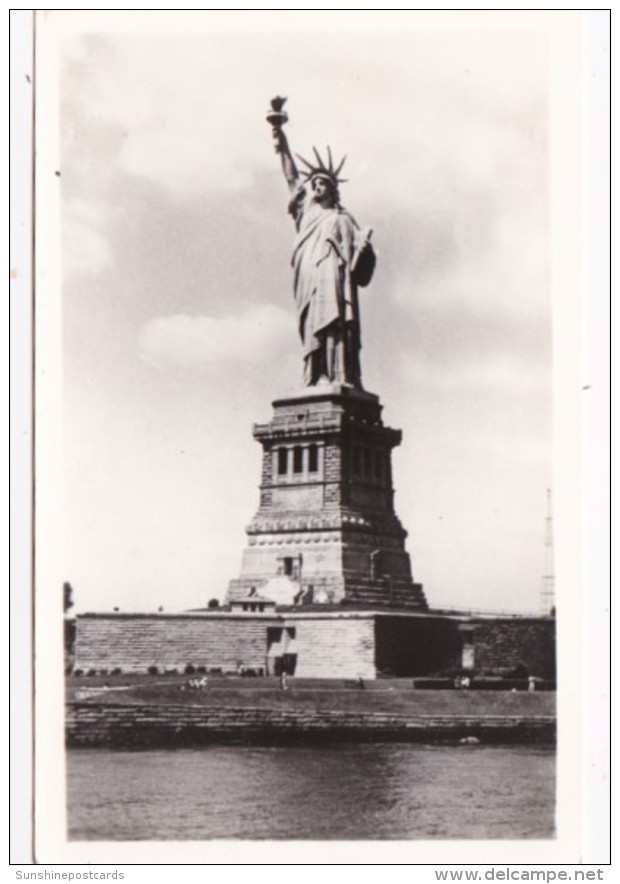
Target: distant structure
547, 590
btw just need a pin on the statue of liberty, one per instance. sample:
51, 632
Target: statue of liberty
332, 257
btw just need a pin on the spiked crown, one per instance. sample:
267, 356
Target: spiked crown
323, 170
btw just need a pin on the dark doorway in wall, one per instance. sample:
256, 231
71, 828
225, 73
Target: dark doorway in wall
289, 662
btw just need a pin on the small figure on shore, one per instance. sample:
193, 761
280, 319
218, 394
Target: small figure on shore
198, 683
360, 683
531, 683
283, 681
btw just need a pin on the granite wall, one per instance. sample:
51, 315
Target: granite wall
134, 642
410, 646
415, 646
504, 643
334, 644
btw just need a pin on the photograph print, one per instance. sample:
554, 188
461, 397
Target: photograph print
304, 397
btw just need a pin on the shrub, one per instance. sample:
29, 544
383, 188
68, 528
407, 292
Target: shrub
201, 670
91, 672
152, 670
189, 669
213, 603
117, 671
77, 672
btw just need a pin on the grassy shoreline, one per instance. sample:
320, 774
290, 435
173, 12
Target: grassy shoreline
148, 711
383, 695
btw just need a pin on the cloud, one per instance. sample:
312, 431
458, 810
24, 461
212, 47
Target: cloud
248, 337
473, 107
175, 131
490, 261
504, 373
85, 247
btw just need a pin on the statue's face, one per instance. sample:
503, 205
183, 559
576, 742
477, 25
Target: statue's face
323, 191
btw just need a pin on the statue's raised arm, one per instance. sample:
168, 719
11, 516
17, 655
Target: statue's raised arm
331, 258
278, 117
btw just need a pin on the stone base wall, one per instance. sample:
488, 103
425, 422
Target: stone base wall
413, 646
335, 644
335, 647
507, 643
134, 642
334, 568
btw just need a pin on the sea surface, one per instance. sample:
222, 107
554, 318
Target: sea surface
344, 791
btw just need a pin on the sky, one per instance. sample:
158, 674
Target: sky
179, 326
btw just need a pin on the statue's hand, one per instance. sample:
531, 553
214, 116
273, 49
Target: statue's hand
279, 139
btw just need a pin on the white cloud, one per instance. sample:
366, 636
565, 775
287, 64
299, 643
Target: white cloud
507, 373
468, 106
248, 337
85, 249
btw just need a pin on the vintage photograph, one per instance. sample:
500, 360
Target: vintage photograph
305, 385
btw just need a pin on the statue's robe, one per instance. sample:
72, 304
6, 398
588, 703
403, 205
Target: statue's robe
325, 290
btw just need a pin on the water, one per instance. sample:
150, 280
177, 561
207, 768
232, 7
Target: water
345, 792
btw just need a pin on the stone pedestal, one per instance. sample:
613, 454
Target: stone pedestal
325, 530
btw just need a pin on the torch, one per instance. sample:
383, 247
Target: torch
277, 118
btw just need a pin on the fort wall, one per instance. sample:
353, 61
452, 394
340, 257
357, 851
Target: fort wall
315, 643
133, 642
